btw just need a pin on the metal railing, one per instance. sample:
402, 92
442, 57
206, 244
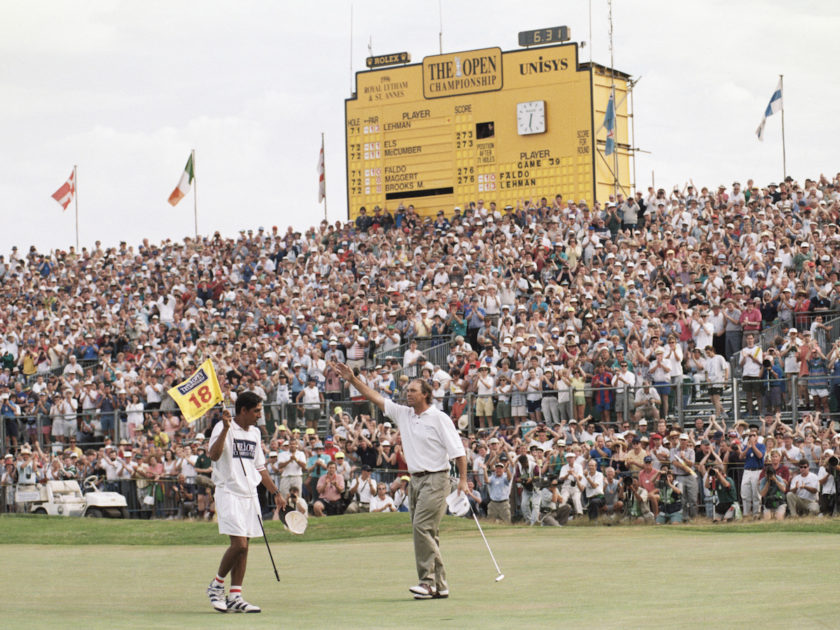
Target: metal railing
682, 399
432, 347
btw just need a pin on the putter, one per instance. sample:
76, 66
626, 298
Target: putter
500, 576
259, 518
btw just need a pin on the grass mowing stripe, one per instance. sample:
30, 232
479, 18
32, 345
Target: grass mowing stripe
30, 529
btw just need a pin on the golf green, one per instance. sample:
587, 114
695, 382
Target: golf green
597, 577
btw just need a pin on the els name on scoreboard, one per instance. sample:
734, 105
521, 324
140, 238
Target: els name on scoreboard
502, 126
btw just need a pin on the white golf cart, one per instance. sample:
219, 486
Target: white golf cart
65, 498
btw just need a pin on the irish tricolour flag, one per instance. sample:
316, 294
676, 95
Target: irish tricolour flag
184, 184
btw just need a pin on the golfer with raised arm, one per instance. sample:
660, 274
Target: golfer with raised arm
238, 468
429, 442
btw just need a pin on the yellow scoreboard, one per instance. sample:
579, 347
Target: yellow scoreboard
483, 124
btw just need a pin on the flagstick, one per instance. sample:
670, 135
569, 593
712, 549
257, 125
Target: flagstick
784, 157
195, 195
76, 200
325, 176
615, 109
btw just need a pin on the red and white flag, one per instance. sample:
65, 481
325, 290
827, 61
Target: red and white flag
184, 184
322, 184
64, 195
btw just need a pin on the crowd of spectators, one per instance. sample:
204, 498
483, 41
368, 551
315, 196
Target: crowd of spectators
558, 313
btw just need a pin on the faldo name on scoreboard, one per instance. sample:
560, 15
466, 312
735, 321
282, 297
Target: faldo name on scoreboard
501, 126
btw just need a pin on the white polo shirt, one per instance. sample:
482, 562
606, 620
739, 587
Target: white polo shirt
429, 440
228, 472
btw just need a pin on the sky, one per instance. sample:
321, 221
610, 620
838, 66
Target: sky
125, 90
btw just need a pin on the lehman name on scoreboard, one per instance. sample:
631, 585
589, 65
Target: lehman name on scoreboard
483, 124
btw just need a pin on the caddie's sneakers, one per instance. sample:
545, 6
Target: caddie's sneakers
239, 605
423, 591
441, 593
216, 593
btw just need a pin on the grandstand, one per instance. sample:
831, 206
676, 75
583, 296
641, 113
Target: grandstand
552, 295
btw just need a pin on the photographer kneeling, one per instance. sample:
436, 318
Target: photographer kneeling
293, 502
722, 490
554, 511
772, 488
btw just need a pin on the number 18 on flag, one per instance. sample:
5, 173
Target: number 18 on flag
199, 393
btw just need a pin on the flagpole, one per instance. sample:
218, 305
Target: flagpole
195, 194
615, 110
76, 200
784, 157
324, 166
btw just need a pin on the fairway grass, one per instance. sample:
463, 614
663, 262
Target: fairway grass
592, 577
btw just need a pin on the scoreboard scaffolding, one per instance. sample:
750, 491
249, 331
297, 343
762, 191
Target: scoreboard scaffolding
484, 124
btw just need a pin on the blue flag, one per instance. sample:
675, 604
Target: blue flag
609, 124
773, 107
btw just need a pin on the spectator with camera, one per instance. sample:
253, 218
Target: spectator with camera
362, 490
773, 487
553, 508
636, 507
803, 494
292, 502
669, 497
721, 489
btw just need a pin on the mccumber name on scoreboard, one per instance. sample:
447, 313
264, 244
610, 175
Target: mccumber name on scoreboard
392, 150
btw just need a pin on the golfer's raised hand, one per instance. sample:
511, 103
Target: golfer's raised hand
226, 419
343, 371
